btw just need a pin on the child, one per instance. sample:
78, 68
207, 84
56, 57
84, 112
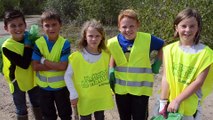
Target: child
88, 70
133, 73
186, 76
50, 59
17, 69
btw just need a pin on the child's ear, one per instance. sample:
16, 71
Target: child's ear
5, 28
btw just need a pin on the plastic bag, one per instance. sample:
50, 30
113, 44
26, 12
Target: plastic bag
33, 33
171, 116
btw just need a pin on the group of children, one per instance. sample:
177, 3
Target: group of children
56, 79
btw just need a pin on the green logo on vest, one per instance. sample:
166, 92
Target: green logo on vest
99, 78
183, 72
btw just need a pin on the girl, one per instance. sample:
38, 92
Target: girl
88, 70
187, 62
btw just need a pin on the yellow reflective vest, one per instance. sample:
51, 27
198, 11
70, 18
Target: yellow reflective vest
92, 83
53, 79
133, 75
24, 77
182, 69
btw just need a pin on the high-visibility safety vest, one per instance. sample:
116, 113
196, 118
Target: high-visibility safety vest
53, 79
182, 69
24, 77
133, 75
92, 83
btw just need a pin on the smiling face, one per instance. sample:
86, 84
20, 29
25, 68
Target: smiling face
128, 28
187, 30
93, 38
16, 28
51, 27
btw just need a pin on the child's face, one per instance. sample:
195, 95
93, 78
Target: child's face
187, 29
93, 38
128, 28
16, 28
51, 28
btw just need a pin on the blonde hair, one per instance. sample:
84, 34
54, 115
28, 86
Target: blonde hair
96, 25
188, 13
128, 13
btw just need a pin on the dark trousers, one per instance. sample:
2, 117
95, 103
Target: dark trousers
50, 100
99, 115
19, 98
132, 107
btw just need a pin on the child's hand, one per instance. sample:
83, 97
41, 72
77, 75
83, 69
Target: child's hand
74, 102
173, 106
27, 41
112, 78
163, 108
156, 66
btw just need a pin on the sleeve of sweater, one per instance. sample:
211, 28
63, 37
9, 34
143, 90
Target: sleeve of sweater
16, 59
69, 82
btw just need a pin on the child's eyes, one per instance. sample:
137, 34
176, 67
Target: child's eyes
14, 26
185, 26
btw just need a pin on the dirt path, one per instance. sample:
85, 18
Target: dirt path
7, 107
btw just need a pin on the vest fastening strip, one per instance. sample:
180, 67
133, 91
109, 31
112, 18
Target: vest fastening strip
50, 79
133, 70
136, 84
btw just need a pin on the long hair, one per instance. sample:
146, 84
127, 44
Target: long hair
96, 25
188, 13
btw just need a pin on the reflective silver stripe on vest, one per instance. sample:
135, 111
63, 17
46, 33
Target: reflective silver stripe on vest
133, 70
50, 79
135, 84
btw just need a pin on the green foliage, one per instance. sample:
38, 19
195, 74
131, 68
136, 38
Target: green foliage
66, 8
26, 6
156, 16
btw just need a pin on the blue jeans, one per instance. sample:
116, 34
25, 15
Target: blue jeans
19, 98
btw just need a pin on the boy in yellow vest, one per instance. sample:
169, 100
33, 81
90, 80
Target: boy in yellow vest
50, 59
17, 69
188, 67
133, 73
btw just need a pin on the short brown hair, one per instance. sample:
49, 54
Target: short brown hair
128, 13
11, 15
49, 15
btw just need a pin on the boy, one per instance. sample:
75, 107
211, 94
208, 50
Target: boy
50, 60
133, 72
18, 72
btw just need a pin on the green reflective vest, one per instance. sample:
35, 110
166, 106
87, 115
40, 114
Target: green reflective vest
92, 83
182, 69
24, 77
133, 75
53, 79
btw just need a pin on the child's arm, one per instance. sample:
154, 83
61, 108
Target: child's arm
37, 66
62, 65
164, 86
16, 59
112, 73
164, 94
157, 44
70, 85
192, 88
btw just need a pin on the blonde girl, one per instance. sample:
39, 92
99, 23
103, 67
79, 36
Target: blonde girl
87, 74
